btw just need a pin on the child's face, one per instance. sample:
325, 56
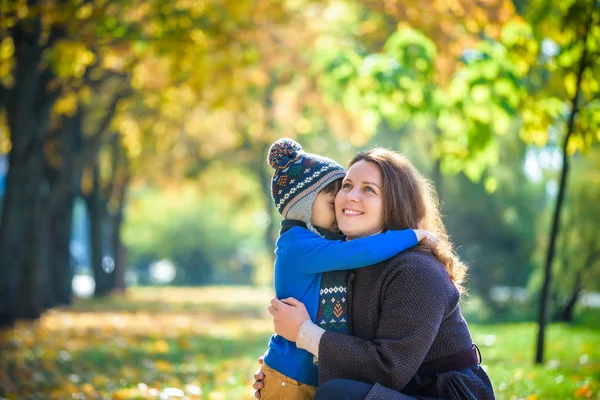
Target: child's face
323, 211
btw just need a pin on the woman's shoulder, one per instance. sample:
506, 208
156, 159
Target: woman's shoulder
419, 265
415, 258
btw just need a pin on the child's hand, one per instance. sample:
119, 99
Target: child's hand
258, 380
426, 237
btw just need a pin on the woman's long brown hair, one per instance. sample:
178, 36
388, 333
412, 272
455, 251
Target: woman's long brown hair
410, 202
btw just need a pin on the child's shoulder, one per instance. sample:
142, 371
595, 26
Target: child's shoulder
293, 234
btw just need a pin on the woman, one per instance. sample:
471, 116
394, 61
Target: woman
409, 339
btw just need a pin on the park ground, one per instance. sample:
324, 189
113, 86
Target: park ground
203, 343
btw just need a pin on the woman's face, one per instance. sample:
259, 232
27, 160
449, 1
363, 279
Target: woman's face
359, 204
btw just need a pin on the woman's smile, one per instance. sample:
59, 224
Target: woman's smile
351, 213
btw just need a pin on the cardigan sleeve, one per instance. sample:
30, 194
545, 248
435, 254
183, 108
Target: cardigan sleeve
412, 308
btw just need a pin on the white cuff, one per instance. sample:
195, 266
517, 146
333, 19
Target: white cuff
309, 337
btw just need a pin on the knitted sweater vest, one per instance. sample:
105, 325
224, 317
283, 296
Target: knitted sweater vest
332, 314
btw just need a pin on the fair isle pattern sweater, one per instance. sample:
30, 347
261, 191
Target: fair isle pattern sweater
301, 258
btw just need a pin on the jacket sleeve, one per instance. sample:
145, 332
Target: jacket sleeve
412, 308
310, 253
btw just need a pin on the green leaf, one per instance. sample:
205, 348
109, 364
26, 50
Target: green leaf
480, 93
491, 184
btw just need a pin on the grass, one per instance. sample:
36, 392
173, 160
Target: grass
203, 343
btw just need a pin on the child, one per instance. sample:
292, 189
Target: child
304, 186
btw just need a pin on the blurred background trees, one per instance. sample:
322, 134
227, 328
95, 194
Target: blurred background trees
134, 133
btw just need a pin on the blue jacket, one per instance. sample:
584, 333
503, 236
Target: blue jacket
301, 257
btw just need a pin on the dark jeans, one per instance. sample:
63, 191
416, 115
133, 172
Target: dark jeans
342, 389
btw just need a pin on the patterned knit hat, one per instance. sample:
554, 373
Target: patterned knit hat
298, 178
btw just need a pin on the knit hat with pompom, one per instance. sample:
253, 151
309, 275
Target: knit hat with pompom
298, 178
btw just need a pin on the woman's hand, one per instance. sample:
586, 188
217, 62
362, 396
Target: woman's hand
258, 380
288, 315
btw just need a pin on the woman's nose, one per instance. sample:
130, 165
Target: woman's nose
354, 194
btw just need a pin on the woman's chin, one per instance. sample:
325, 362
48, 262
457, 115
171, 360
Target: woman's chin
348, 231
353, 231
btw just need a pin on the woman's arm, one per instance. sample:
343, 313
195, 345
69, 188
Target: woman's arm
412, 310
306, 252
292, 321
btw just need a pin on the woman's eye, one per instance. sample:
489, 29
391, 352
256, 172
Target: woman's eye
346, 186
369, 189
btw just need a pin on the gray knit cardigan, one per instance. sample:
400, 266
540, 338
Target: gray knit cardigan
403, 312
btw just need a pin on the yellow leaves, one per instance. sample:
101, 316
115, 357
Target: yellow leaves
125, 394
199, 37
368, 26
85, 11
162, 365
303, 125
66, 104
5, 143
131, 135
85, 94
107, 349
151, 73
258, 77
583, 391
22, 10
100, 380
112, 60
523, 48
590, 84
538, 115
576, 143
184, 343
158, 347
7, 49
88, 389
571, 84
70, 59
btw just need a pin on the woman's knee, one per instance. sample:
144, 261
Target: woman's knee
342, 389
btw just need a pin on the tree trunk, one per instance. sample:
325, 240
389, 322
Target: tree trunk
60, 261
120, 264
35, 294
118, 247
27, 109
567, 312
61, 212
97, 215
545, 294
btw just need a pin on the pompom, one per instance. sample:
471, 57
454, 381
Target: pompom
282, 148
